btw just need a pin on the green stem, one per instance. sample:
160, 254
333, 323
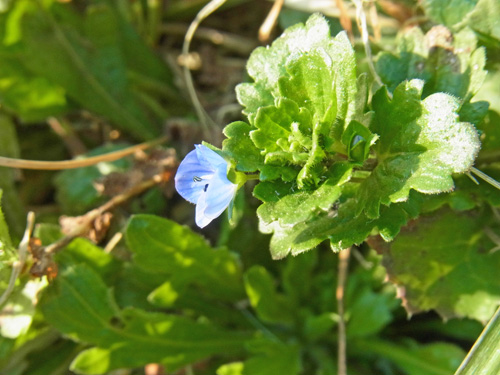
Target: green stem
253, 176
484, 357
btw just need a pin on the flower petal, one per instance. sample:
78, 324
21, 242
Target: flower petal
220, 193
208, 157
201, 219
212, 202
202, 179
192, 177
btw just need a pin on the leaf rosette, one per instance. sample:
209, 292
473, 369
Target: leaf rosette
303, 94
329, 168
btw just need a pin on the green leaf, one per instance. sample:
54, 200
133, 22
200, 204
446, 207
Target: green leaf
138, 56
240, 147
437, 358
166, 248
277, 125
273, 191
297, 276
490, 136
50, 358
368, 311
483, 357
437, 261
283, 135
83, 55
7, 250
299, 207
12, 205
448, 12
270, 306
172, 340
475, 112
133, 286
484, 18
343, 229
421, 145
358, 139
6, 247
447, 62
30, 97
319, 326
84, 251
311, 84
297, 41
292, 239
80, 305
481, 15
297, 106
269, 358
293, 211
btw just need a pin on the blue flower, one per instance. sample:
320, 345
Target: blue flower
202, 179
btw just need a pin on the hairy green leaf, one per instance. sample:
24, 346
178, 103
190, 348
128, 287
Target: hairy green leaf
301, 206
447, 62
310, 83
421, 145
240, 147
297, 41
343, 228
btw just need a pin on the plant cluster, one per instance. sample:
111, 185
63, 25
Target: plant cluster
396, 164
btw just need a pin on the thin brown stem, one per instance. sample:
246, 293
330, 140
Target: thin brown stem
113, 242
341, 281
73, 144
267, 26
365, 38
232, 42
345, 19
205, 120
71, 164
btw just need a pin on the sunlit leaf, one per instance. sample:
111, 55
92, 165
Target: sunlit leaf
430, 261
